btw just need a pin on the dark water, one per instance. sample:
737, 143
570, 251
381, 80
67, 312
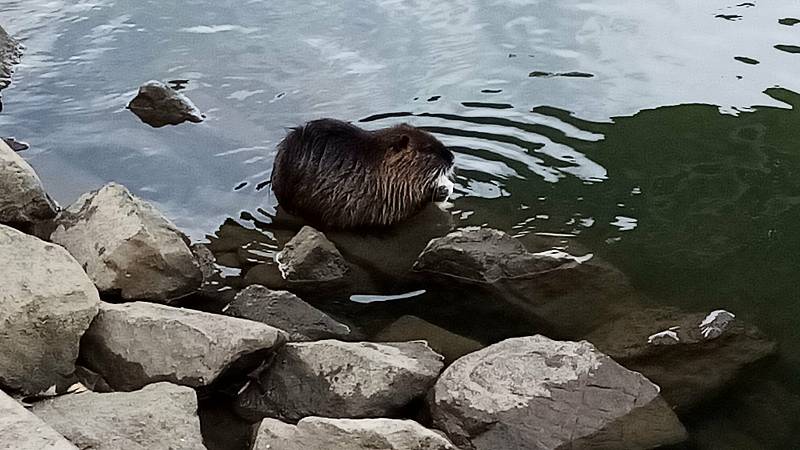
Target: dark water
662, 136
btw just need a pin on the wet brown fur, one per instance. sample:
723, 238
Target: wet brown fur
340, 176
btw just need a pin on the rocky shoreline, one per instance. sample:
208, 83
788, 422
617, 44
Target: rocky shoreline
103, 346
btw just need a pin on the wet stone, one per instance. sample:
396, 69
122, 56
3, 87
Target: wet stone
23, 200
286, 311
311, 257
691, 356
158, 105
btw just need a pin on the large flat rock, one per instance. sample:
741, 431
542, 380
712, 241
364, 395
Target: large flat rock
536, 393
46, 304
348, 434
128, 247
341, 379
161, 416
22, 430
23, 200
137, 343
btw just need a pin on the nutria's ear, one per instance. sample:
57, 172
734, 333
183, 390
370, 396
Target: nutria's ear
402, 142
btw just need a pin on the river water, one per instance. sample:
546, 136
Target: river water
663, 136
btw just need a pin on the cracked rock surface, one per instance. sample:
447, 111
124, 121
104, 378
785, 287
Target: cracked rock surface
537, 393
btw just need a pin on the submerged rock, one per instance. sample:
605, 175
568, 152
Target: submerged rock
348, 434
15, 145
341, 379
22, 430
450, 345
137, 343
157, 105
310, 256
160, 416
46, 304
484, 255
692, 356
22, 198
128, 247
286, 311
536, 393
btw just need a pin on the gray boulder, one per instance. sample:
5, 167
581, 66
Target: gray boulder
536, 393
692, 356
137, 343
450, 345
341, 379
310, 256
157, 105
484, 255
22, 197
22, 430
127, 247
160, 416
286, 311
10, 53
348, 434
46, 304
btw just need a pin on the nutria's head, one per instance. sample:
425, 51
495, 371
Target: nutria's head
416, 164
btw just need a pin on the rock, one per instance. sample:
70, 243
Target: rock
310, 256
22, 430
127, 247
341, 379
484, 255
536, 393
23, 200
137, 343
46, 304
450, 345
159, 416
348, 434
286, 311
692, 356
15, 145
206, 260
157, 105
10, 53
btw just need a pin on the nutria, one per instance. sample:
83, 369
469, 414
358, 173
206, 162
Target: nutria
337, 175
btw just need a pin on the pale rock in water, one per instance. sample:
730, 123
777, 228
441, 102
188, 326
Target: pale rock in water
348, 434
128, 247
46, 304
22, 196
160, 416
341, 379
536, 393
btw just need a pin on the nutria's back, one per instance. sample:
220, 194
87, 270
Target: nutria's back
338, 175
